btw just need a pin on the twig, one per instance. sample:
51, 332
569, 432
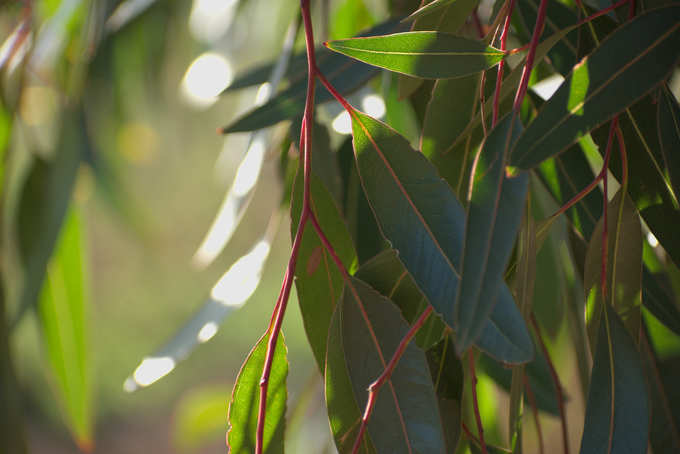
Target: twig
528, 66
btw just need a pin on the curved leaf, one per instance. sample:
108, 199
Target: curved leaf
626, 65
406, 417
63, 325
424, 221
245, 400
617, 410
493, 219
424, 54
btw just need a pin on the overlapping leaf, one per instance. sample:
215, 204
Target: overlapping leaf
317, 279
668, 120
421, 217
63, 324
424, 54
243, 408
623, 68
617, 410
493, 219
624, 268
406, 417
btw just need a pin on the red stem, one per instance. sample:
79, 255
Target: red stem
538, 29
556, 382
282, 302
331, 89
475, 404
501, 65
374, 388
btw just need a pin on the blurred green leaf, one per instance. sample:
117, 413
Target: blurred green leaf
493, 220
424, 54
64, 328
245, 399
317, 279
406, 416
617, 410
42, 206
350, 17
199, 417
637, 56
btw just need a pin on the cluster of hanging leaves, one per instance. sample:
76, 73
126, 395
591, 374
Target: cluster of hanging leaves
437, 206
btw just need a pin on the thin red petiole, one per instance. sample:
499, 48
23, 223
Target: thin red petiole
475, 403
331, 89
374, 387
528, 66
556, 383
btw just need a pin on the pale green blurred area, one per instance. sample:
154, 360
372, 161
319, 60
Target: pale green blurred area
143, 231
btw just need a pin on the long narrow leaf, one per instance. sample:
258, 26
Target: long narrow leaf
424, 54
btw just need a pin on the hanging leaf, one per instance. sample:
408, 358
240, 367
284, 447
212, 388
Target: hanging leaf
617, 410
668, 120
624, 268
245, 399
493, 219
317, 279
424, 54
406, 417
421, 217
63, 324
637, 56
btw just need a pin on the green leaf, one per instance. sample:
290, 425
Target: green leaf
659, 298
617, 410
317, 279
424, 54
429, 8
624, 268
42, 206
443, 124
344, 414
245, 399
424, 222
387, 275
345, 75
622, 69
493, 219
63, 324
406, 417
350, 17
668, 120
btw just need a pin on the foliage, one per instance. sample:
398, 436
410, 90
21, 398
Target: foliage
488, 223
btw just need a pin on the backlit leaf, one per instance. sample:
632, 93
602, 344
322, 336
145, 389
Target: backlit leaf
622, 69
245, 398
424, 54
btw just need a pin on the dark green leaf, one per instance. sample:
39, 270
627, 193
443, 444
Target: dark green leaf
669, 135
317, 279
428, 55
617, 410
63, 325
43, 203
344, 414
429, 8
493, 219
622, 69
659, 298
243, 408
663, 223
406, 416
387, 275
421, 217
